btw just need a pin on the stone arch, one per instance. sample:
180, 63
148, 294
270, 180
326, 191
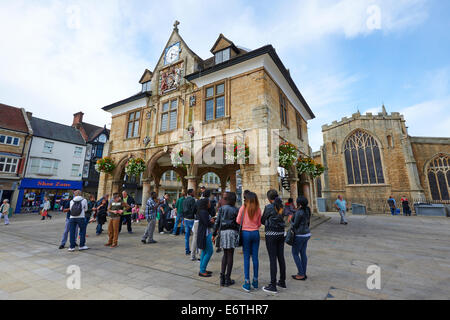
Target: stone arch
429, 168
363, 158
120, 168
151, 163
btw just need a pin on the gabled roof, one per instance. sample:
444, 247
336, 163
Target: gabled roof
56, 131
12, 118
93, 131
146, 76
268, 49
226, 43
135, 97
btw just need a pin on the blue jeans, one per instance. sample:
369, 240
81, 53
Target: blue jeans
81, 223
393, 211
188, 224
178, 220
66, 233
250, 246
206, 254
299, 254
98, 230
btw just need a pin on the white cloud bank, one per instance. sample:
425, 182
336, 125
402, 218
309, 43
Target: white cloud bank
60, 57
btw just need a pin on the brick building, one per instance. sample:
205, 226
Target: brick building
236, 95
370, 157
15, 137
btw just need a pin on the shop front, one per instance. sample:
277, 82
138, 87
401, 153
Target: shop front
33, 191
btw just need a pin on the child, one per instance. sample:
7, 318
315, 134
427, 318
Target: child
135, 213
140, 215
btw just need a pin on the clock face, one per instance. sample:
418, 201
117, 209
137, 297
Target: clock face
102, 138
172, 53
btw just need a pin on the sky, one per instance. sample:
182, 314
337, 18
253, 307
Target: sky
61, 57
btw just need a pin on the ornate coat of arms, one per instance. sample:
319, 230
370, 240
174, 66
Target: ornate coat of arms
170, 78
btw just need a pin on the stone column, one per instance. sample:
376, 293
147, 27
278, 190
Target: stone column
192, 183
116, 186
233, 185
293, 181
145, 192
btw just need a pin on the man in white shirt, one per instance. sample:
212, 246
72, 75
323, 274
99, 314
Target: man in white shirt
78, 207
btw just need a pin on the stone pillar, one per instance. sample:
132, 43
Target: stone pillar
233, 185
116, 186
145, 192
192, 183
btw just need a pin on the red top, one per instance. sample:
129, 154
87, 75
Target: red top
249, 224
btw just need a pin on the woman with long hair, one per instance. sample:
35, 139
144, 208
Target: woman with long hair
300, 225
249, 218
274, 224
229, 236
204, 236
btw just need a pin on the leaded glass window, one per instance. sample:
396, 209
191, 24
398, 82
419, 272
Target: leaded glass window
439, 177
363, 159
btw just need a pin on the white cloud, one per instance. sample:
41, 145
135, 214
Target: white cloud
55, 63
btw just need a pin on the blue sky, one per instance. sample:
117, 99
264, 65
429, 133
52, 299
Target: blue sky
60, 57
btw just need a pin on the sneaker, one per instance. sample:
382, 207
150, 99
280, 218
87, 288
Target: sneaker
162, 232
130, 232
84, 248
246, 286
193, 259
61, 247
144, 242
255, 283
204, 275
71, 249
270, 289
281, 284
153, 241
188, 253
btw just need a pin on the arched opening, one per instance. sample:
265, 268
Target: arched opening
363, 159
171, 184
438, 174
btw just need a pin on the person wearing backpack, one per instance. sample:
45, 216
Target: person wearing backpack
78, 207
4, 211
300, 226
65, 205
392, 205
226, 225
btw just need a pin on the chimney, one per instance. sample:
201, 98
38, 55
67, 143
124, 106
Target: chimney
29, 115
77, 119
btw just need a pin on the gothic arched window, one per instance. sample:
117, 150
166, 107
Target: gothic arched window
363, 159
439, 177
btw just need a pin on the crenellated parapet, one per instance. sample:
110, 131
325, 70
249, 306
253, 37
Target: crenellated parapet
368, 116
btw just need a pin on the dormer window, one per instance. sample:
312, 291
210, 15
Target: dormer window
146, 86
222, 56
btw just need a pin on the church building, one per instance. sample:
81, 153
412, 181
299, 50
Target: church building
371, 157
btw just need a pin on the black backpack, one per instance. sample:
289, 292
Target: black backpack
76, 209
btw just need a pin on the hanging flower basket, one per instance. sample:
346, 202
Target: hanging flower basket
105, 165
240, 153
177, 159
135, 167
309, 167
288, 154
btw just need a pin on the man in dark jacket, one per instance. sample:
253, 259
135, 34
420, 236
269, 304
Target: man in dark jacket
164, 211
189, 209
126, 216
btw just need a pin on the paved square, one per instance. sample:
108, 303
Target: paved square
412, 252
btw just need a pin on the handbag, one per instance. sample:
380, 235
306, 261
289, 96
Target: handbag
240, 240
290, 237
43, 213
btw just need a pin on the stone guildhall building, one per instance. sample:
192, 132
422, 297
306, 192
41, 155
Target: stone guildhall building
190, 101
370, 157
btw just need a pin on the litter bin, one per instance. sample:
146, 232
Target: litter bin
321, 204
358, 208
431, 210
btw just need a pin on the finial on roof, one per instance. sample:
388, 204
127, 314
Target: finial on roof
175, 25
384, 110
